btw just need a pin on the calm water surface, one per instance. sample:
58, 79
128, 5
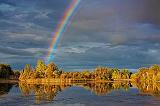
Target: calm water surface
81, 94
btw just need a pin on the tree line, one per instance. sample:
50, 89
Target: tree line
7, 72
51, 71
40, 71
149, 75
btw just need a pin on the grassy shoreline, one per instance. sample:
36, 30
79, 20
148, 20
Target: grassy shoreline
59, 81
39, 81
8, 81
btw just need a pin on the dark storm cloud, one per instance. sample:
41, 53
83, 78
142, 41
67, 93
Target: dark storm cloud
122, 56
130, 23
116, 33
133, 10
26, 28
152, 12
115, 22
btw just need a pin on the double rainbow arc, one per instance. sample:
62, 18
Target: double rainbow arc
61, 27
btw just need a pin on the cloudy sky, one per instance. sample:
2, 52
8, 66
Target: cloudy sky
114, 33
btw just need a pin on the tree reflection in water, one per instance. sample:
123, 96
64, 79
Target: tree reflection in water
47, 92
104, 88
149, 88
5, 88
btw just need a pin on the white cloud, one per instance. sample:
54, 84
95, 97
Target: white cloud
43, 14
6, 8
35, 50
81, 47
25, 36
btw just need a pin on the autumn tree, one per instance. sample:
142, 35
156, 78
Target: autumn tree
50, 70
125, 74
86, 74
40, 69
102, 73
26, 73
116, 74
148, 75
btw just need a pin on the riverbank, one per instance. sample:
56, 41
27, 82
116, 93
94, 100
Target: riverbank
39, 81
8, 81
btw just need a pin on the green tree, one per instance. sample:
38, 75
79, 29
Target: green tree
5, 71
16, 74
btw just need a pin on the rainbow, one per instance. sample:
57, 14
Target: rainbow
61, 27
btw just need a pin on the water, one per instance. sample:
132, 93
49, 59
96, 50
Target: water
80, 94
